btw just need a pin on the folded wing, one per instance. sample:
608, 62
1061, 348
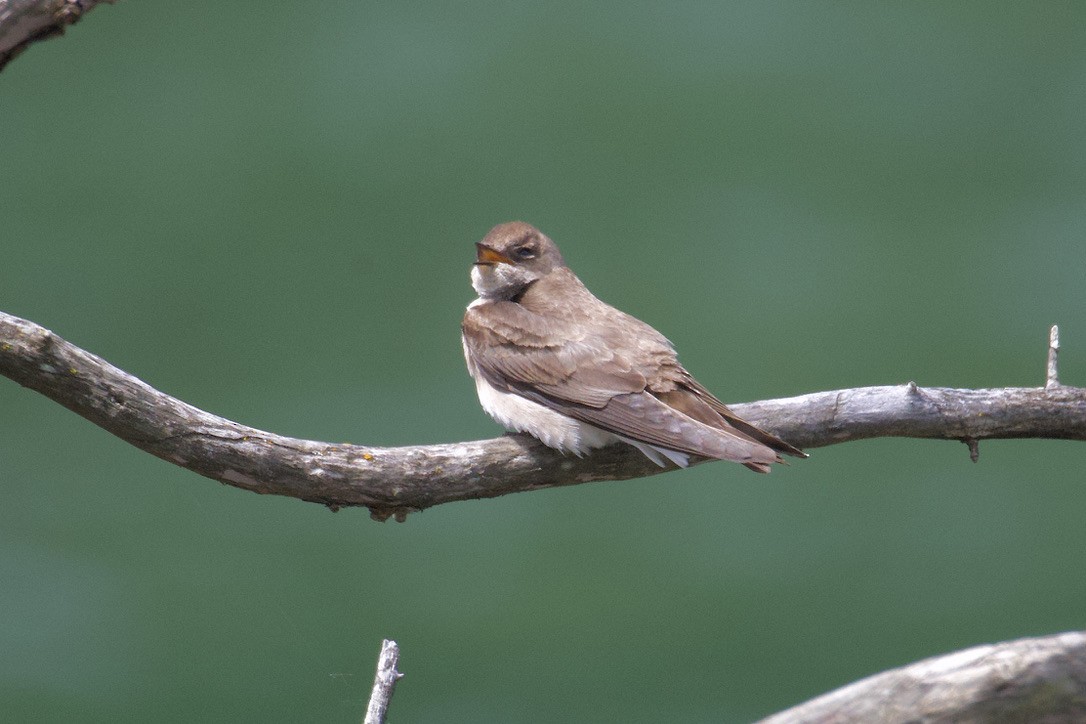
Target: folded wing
591, 375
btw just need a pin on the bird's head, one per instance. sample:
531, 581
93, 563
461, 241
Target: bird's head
510, 257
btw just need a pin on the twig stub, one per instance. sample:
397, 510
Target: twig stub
974, 448
1052, 375
384, 683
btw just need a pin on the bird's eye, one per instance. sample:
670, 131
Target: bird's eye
524, 252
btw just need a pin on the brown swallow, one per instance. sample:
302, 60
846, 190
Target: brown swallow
552, 360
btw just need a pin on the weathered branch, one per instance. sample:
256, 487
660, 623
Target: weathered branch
23, 22
1052, 373
1028, 680
396, 481
384, 683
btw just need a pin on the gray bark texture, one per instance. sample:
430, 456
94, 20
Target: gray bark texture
384, 683
23, 22
1029, 681
393, 482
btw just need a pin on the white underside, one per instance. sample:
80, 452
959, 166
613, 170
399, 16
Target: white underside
556, 430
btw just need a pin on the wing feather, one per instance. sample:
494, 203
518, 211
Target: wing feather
597, 373
568, 366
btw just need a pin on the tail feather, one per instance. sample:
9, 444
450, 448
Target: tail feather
706, 398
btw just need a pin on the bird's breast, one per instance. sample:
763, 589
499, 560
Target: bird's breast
519, 414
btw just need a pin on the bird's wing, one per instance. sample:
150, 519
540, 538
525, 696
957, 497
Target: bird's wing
519, 351
704, 396
591, 375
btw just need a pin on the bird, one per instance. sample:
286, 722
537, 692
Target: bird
551, 360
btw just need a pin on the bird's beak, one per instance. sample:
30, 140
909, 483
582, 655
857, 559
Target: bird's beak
485, 255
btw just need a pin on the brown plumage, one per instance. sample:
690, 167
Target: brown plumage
538, 342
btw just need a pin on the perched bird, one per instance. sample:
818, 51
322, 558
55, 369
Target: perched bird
552, 360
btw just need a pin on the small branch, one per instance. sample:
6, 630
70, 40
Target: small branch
1029, 680
400, 480
1052, 378
974, 448
23, 22
384, 683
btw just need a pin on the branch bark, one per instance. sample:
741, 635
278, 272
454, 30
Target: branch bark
23, 22
397, 481
1028, 680
384, 683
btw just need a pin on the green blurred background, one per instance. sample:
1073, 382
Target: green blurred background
268, 210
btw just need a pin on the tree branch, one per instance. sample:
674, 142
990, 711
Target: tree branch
23, 22
384, 683
399, 480
1028, 680
1052, 373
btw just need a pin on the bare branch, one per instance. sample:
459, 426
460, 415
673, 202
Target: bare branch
1035, 680
397, 481
1052, 377
23, 22
384, 683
